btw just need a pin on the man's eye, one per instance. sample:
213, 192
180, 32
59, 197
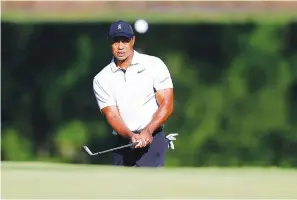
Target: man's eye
121, 40
126, 40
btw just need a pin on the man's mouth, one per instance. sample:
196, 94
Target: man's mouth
121, 53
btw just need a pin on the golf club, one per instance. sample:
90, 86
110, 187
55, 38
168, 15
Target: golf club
109, 150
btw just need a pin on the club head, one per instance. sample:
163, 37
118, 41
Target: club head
88, 150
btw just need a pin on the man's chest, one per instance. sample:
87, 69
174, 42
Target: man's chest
133, 85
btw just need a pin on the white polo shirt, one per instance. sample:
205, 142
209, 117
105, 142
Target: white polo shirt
133, 91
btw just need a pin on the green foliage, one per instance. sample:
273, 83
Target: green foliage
68, 138
235, 92
15, 146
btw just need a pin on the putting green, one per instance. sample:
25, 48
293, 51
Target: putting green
45, 180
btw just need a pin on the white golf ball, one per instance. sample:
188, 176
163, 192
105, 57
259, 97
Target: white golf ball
141, 26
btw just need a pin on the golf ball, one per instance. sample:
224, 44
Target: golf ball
141, 26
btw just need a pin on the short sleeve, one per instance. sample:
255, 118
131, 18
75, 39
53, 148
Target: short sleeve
103, 96
162, 77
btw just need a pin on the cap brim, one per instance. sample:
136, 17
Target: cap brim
127, 35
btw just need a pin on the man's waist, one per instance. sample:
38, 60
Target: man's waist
158, 130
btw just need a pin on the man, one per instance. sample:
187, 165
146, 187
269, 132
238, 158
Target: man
135, 94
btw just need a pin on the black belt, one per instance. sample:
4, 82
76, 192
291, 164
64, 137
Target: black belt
158, 130
122, 141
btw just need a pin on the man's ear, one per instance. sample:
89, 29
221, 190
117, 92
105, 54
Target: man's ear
133, 40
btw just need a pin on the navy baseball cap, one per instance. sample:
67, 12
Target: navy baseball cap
120, 28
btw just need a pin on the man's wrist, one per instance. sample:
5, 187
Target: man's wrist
126, 134
149, 130
130, 134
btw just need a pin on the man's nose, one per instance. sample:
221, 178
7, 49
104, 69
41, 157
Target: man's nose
121, 45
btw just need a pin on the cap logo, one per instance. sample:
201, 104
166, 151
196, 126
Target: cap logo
119, 26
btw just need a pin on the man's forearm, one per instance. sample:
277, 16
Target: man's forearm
159, 118
118, 125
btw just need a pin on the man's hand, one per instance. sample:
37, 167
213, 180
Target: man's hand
145, 138
135, 138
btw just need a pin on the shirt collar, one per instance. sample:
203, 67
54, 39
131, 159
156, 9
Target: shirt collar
135, 61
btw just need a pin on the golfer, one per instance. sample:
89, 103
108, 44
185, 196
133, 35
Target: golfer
135, 94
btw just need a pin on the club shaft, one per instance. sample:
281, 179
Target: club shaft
116, 148
109, 150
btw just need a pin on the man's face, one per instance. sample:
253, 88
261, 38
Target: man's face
122, 47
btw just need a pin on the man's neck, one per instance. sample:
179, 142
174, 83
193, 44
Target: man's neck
124, 64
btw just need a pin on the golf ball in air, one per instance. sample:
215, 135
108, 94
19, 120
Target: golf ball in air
141, 26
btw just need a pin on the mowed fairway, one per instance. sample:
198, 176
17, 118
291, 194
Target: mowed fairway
44, 180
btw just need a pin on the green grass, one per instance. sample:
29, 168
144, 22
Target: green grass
45, 180
185, 18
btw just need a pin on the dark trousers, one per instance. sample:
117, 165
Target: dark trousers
149, 156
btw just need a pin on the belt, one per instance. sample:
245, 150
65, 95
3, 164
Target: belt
158, 130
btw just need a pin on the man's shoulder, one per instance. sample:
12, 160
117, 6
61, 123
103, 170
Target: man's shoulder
150, 58
103, 74
155, 63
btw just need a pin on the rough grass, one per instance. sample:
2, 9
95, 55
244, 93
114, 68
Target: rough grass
48, 180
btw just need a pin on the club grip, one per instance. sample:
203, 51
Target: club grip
133, 145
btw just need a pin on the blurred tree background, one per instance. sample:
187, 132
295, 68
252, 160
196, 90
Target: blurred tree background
235, 91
